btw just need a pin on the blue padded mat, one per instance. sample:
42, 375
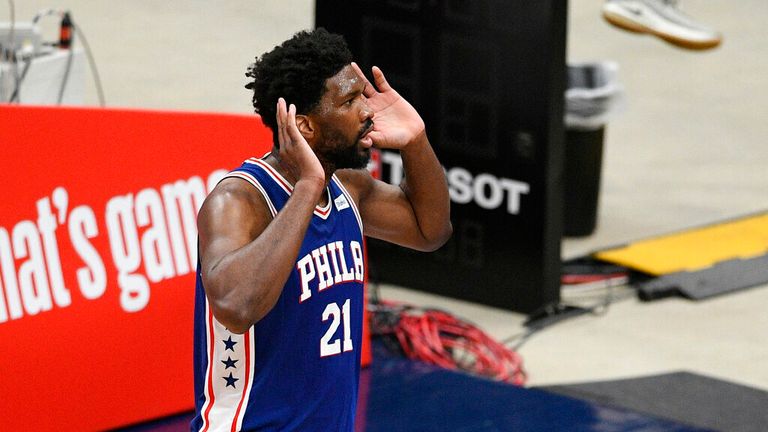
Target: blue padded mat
410, 396
401, 395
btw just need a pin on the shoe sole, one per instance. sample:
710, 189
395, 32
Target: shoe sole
625, 24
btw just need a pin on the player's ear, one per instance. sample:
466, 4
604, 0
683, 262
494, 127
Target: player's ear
305, 126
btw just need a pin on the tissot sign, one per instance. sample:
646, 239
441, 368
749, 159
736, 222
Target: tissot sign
482, 205
485, 190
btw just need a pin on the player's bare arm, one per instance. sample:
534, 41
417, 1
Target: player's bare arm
417, 213
245, 254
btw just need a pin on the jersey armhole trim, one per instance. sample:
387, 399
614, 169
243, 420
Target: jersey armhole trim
255, 183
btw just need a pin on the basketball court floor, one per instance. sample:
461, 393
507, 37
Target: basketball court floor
688, 149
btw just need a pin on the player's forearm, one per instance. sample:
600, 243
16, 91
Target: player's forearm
427, 190
252, 277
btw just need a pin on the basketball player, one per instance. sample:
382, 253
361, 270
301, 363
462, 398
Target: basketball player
279, 303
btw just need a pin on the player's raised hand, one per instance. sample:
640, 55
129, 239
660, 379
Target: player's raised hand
396, 122
295, 155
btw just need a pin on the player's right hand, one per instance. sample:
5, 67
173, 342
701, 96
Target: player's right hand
294, 154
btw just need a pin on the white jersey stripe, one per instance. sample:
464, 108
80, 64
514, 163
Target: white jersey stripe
250, 353
230, 376
284, 184
321, 212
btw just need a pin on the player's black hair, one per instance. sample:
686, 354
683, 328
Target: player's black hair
296, 71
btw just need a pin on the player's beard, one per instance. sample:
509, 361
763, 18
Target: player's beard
343, 154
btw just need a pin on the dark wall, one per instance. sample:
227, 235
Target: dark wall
488, 77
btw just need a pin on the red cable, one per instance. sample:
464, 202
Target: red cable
439, 338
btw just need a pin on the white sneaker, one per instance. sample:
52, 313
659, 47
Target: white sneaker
661, 18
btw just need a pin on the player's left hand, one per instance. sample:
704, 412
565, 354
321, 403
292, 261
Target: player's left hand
396, 122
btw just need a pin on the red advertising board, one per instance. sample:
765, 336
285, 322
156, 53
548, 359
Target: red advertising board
97, 259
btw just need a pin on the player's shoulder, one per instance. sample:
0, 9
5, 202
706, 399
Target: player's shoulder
357, 181
232, 189
233, 197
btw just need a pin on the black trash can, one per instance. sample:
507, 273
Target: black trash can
583, 166
592, 97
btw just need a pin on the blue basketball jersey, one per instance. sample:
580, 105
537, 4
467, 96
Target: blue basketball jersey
297, 368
